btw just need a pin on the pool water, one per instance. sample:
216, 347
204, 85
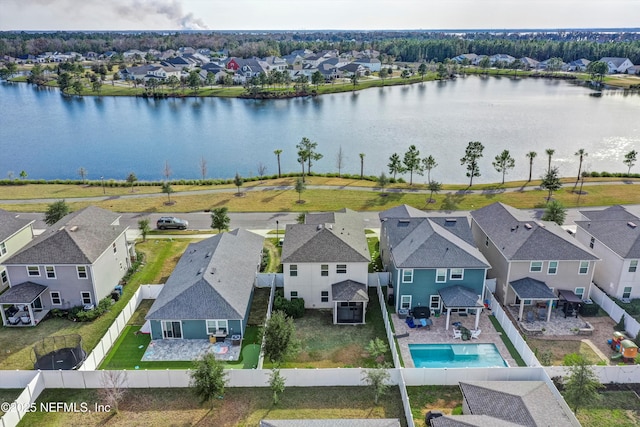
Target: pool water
456, 356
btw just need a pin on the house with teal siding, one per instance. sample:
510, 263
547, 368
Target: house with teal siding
433, 262
209, 293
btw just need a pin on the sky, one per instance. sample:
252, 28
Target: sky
69, 15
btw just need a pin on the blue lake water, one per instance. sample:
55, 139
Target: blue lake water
456, 356
51, 136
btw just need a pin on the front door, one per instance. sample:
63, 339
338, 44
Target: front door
171, 329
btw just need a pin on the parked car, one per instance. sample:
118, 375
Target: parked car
172, 222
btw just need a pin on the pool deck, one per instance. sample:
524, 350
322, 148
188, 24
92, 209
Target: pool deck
438, 335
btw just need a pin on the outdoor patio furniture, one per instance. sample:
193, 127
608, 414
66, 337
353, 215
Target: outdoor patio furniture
457, 333
25, 319
475, 333
13, 320
530, 317
542, 314
421, 312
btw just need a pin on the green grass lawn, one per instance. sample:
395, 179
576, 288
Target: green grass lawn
558, 349
615, 408
446, 399
8, 395
240, 407
17, 343
507, 342
374, 249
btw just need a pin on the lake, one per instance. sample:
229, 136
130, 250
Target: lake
52, 136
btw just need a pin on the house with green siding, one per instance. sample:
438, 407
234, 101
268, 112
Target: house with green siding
209, 293
433, 262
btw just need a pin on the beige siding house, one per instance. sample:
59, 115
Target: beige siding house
15, 233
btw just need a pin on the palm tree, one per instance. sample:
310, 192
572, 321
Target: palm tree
531, 155
582, 154
550, 153
277, 153
361, 165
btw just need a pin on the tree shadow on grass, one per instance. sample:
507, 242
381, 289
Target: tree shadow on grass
272, 197
452, 201
222, 202
383, 199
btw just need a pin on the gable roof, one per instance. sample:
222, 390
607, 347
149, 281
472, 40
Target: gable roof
616, 228
402, 211
78, 238
327, 237
617, 61
349, 290
520, 238
423, 243
213, 279
11, 223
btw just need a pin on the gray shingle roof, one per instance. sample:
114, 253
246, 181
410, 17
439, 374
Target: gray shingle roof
459, 296
402, 211
349, 290
526, 403
10, 224
23, 293
78, 238
470, 421
528, 288
611, 227
342, 240
213, 279
422, 243
519, 237
382, 422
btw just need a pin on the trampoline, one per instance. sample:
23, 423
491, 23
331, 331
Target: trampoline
59, 352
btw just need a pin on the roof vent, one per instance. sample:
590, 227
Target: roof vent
201, 271
74, 228
450, 220
208, 255
213, 270
319, 227
528, 226
631, 224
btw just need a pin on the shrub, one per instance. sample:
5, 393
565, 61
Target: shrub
292, 308
620, 325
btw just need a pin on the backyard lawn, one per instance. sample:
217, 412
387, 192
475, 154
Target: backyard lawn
615, 408
240, 407
558, 349
17, 343
446, 399
8, 395
325, 345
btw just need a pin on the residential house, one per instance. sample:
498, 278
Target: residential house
617, 65
633, 70
325, 262
529, 63
352, 69
531, 260
182, 62
76, 262
275, 63
614, 235
433, 262
508, 403
579, 65
470, 57
501, 58
134, 73
372, 64
210, 291
15, 232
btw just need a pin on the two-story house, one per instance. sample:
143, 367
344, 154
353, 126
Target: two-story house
532, 261
614, 235
76, 262
326, 261
433, 262
210, 291
15, 232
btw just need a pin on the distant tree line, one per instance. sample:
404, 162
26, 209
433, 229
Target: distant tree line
393, 46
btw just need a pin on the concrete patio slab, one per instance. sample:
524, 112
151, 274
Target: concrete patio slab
181, 350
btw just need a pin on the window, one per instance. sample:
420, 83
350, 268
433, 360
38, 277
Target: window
3, 248
579, 292
4, 279
441, 275
553, 267
592, 242
584, 267
486, 241
50, 271
213, 326
405, 302
86, 298
33, 270
456, 274
55, 298
407, 275
626, 294
341, 268
115, 249
434, 302
324, 296
293, 270
535, 266
82, 271
294, 295
633, 266
324, 270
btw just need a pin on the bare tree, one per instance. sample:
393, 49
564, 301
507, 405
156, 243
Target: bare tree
113, 388
340, 161
262, 169
203, 168
167, 170
83, 174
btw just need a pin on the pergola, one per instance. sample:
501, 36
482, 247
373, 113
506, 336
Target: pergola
22, 295
533, 290
461, 297
355, 295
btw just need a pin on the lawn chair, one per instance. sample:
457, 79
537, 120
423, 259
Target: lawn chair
530, 317
542, 314
475, 333
457, 334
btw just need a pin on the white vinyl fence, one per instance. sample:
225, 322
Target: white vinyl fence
272, 297
100, 351
387, 327
614, 310
622, 374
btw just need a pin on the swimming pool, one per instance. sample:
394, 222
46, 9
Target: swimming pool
456, 356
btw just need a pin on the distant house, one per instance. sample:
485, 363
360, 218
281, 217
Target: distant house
372, 64
325, 262
501, 58
531, 260
433, 262
15, 233
578, 65
529, 63
614, 235
210, 291
181, 62
76, 262
617, 65
507, 403
351, 69
471, 57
